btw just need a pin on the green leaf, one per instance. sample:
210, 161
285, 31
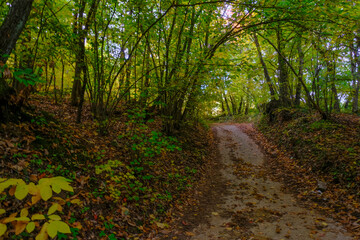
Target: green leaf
30, 227
21, 191
45, 191
3, 229
57, 226
2, 211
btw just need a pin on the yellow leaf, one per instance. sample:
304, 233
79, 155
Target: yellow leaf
56, 188
77, 225
23, 219
30, 227
60, 200
76, 201
57, 226
8, 183
9, 219
2, 211
20, 227
52, 231
36, 198
43, 233
45, 191
55, 217
53, 208
37, 217
160, 225
33, 189
24, 212
3, 229
62, 183
21, 191
2, 179
45, 181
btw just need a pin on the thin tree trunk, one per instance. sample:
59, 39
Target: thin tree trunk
222, 106
246, 106
283, 71
227, 105
355, 71
54, 79
240, 105
62, 78
332, 78
266, 72
46, 76
233, 104
300, 77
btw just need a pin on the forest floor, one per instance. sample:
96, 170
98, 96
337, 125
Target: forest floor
128, 181
244, 198
134, 182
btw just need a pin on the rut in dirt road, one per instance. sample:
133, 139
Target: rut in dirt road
254, 207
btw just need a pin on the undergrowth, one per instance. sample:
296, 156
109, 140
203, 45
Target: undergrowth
330, 148
128, 180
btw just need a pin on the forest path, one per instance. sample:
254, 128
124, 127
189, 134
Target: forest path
243, 203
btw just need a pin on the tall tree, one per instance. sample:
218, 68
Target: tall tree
10, 31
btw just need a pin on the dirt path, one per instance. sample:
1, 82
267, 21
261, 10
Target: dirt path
245, 204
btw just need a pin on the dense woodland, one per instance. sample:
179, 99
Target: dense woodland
122, 86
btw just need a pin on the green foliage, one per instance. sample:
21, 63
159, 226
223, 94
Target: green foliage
325, 124
43, 190
27, 76
130, 181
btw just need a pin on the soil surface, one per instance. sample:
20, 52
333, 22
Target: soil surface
240, 201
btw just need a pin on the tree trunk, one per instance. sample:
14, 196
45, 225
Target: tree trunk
355, 71
300, 77
62, 78
227, 105
222, 106
233, 104
53, 76
283, 71
10, 31
331, 75
78, 30
246, 106
13, 26
266, 72
240, 105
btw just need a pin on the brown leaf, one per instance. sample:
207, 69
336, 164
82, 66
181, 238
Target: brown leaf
20, 227
189, 234
33, 177
12, 190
